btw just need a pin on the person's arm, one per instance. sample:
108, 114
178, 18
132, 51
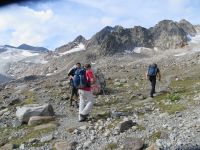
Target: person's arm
70, 74
159, 75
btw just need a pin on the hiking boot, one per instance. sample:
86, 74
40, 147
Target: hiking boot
83, 117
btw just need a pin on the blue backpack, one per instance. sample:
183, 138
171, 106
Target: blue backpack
79, 79
152, 71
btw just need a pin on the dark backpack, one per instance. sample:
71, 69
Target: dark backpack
152, 70
80, 79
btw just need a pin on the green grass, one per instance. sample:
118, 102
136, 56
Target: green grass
169, 108
156, 135
141, 128
31, 134
111, 146
31, 97
174, 97
172, 108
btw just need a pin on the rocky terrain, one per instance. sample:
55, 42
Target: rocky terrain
35, 112
110, 40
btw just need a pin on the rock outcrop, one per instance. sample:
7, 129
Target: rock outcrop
110, 40
71, 45
167, 34
187, 27
26, 112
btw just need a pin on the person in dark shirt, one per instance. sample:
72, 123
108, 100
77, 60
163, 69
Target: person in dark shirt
74, 90
153, 72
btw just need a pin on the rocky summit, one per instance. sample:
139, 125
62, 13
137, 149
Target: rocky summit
35, 111
110, 40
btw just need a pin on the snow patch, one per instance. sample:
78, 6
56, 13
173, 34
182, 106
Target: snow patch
137, 50
195, 39
180, 54
80, 47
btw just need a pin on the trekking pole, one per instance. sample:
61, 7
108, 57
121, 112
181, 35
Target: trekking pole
105, 94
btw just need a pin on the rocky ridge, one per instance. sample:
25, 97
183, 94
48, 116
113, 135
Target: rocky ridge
164, 35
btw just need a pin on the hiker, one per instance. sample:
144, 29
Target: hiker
85, 94
153, 72
74, 90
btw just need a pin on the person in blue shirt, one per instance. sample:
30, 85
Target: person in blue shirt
74, 90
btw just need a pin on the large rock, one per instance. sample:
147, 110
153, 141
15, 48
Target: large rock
7, 147
36, 120
24, 113
126, 125
133, 144
46, 126
64, 145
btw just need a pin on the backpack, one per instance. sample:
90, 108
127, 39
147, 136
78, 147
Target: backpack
152, 71
100, 83
80, 79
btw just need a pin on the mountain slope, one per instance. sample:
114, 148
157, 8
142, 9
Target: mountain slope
32, 48
110, 40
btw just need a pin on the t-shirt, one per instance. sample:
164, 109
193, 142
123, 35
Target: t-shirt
90, 78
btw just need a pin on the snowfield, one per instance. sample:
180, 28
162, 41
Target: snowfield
14, 55
80, 47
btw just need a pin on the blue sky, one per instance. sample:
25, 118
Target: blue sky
52, 23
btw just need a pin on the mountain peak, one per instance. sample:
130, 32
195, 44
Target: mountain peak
79, 39
187, 27
32, 48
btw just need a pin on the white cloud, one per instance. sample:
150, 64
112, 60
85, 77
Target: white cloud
26, 25
58, 22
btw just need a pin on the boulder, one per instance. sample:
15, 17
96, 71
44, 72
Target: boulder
45, 126
24, 113
126, 125
133, 143
36, 120
3, 111
64, 145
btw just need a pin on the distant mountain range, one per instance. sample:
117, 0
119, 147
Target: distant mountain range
4, 78
24, 47
166, 34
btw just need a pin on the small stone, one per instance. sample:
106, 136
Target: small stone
107, 133
152, 147
76, 131
164, 126
92, 138
83, 127
163, 115
123, 81
46, 138
34, 140
134, 128
22, 146
87, 144
158, 143
169, 128
3, 111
